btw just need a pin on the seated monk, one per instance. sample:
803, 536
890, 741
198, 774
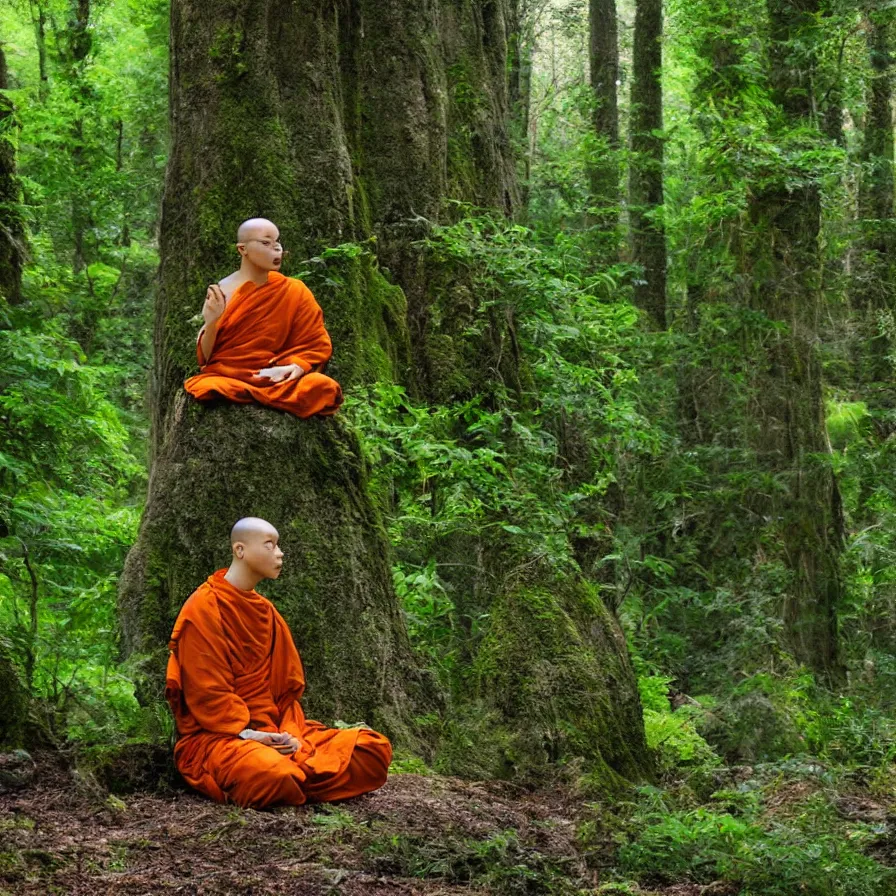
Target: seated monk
234, 681
264, 337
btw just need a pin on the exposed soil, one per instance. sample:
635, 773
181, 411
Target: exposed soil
434, 836
418, 835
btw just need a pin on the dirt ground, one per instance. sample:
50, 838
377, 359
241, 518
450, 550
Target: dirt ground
418, 835
62, 833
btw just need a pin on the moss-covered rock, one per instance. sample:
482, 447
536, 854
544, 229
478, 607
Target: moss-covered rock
136, 766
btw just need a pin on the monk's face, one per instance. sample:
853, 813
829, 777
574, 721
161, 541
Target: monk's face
260, 246
261, 552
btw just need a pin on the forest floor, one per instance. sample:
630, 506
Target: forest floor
419, 834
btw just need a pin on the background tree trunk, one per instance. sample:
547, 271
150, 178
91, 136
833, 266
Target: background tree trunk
12, 228
786, 267
604, 168
646, 174
874, 279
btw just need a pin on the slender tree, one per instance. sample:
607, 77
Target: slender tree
604, 68
875, 276
76, 47
12, 230
648, 236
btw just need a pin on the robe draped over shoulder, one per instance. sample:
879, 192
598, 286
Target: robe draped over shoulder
233, 665
266, 326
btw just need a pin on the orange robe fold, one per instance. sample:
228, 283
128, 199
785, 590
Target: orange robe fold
233, 665
267, 326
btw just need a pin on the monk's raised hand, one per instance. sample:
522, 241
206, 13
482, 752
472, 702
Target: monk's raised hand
214, 305
280, 374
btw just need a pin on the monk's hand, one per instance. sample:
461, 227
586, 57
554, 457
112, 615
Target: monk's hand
281, 741
281, 374
289, 744
214, 305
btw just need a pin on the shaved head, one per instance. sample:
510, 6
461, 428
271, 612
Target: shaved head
249, 229
249, 527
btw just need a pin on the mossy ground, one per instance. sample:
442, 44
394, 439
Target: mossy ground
421, 834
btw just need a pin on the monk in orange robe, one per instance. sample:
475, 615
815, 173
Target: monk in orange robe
234, 682
264, 338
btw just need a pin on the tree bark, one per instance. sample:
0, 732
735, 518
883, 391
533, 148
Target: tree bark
604, 169
520, 41
875, 275
12, 228
78, 43
786, 264
39, 21
646, 173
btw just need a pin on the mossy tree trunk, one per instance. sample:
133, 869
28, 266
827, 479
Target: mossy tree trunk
12, 228
350, 122
875, 277
604, 166
75, 48
648, 234
786, 267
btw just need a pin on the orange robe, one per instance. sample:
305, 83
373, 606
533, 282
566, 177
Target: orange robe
233, 665
267, 326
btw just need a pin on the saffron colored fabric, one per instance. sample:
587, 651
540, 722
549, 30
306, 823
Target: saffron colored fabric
267, 326
233, 665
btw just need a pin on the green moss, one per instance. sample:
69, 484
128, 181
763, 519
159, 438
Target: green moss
128, 767
366, 316
565, 692
13, 702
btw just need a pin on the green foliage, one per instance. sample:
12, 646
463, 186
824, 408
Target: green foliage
674, 735
75, 351
757, 853
705, 846
67, 482
501, 863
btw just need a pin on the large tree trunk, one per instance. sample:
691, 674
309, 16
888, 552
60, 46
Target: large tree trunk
341, 122
604, 167
12, 229
786, 269
646, 174
875, 274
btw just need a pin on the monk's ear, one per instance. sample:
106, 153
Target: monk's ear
239, 549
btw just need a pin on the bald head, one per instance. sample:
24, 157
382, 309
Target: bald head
256, 228
250, 528
256, 553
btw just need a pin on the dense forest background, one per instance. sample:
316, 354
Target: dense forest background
659, 402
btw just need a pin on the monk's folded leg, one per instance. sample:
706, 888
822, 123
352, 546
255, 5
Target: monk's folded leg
206, 387
367, 771
314, 393
255, 775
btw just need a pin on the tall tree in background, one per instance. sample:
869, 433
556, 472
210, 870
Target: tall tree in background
648, 238
784, 257
12, 230
604, 68
875, 276
75, 48
339, 124
521, 41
